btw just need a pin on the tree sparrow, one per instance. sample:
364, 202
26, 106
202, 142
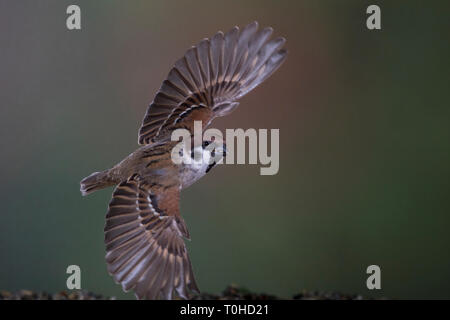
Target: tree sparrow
144, 231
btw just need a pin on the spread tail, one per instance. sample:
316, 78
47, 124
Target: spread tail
94, 182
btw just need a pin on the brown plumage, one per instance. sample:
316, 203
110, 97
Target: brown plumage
144, 230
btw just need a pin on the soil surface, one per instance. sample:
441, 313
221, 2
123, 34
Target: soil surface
232, 292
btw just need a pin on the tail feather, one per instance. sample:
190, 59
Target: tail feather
94, 182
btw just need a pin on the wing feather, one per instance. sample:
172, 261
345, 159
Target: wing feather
145, 250
209, 78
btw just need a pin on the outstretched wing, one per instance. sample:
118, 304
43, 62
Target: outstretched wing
210, 78
145, 250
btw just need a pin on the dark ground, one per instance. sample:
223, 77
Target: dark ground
230, 293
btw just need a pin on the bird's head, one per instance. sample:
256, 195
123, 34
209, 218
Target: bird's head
208, 154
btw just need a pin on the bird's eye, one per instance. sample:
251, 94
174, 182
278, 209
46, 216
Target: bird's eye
180, 152
205, 144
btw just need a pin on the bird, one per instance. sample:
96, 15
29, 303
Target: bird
144, 233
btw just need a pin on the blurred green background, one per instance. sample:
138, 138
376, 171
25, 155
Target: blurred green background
364, 144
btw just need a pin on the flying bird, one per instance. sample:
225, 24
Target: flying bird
144, 231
